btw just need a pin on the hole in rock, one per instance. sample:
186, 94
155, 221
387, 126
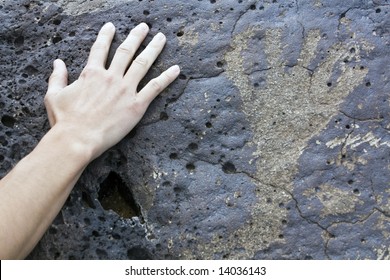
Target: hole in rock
228, 168
30, 70
19, 41
115, 195
56, 39
3, 141
57, 21
138, 253
166, 184
173, 156
164, 116
116, 236
8, 121
190, 167
101, 253
193, 146
87, 221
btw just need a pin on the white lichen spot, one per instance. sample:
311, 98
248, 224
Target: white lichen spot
383, 253
356, 141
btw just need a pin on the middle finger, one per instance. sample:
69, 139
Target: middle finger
127, 49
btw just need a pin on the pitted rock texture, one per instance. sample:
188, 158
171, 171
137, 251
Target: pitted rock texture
272, 144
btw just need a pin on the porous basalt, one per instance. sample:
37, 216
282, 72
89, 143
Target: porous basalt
273, 142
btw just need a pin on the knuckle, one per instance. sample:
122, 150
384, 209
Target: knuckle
156, 85
99, 45
166, 78
126, 49
109, 78
54, 76
47, 99
123, 89
89, 71
137, 106
141, 61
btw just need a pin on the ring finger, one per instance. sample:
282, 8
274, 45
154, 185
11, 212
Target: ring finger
144, 61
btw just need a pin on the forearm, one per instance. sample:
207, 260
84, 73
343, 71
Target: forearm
33, 193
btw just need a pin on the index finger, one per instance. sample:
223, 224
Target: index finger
101, 47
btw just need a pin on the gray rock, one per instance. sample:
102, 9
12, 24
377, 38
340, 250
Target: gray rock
272, 144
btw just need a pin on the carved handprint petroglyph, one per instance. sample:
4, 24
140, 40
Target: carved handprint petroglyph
293, 104
296, 102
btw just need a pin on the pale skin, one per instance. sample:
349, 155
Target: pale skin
87, 117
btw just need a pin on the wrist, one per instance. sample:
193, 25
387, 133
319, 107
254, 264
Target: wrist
72, 142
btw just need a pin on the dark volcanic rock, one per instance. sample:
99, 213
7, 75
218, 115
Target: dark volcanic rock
272, 144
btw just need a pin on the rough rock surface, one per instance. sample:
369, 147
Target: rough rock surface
273, 143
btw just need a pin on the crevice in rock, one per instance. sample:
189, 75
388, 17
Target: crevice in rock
361, 119
115, 195
238, 19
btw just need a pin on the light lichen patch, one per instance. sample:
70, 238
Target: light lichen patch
334, 201
78, 7
188, 38
382, 224
257, 234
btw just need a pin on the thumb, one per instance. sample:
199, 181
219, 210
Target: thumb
57, 81
59, 78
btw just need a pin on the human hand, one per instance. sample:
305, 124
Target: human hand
103, 105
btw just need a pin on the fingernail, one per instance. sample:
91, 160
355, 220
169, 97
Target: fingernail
160, 36
56, 63
143, 26
109, 25
175, 69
